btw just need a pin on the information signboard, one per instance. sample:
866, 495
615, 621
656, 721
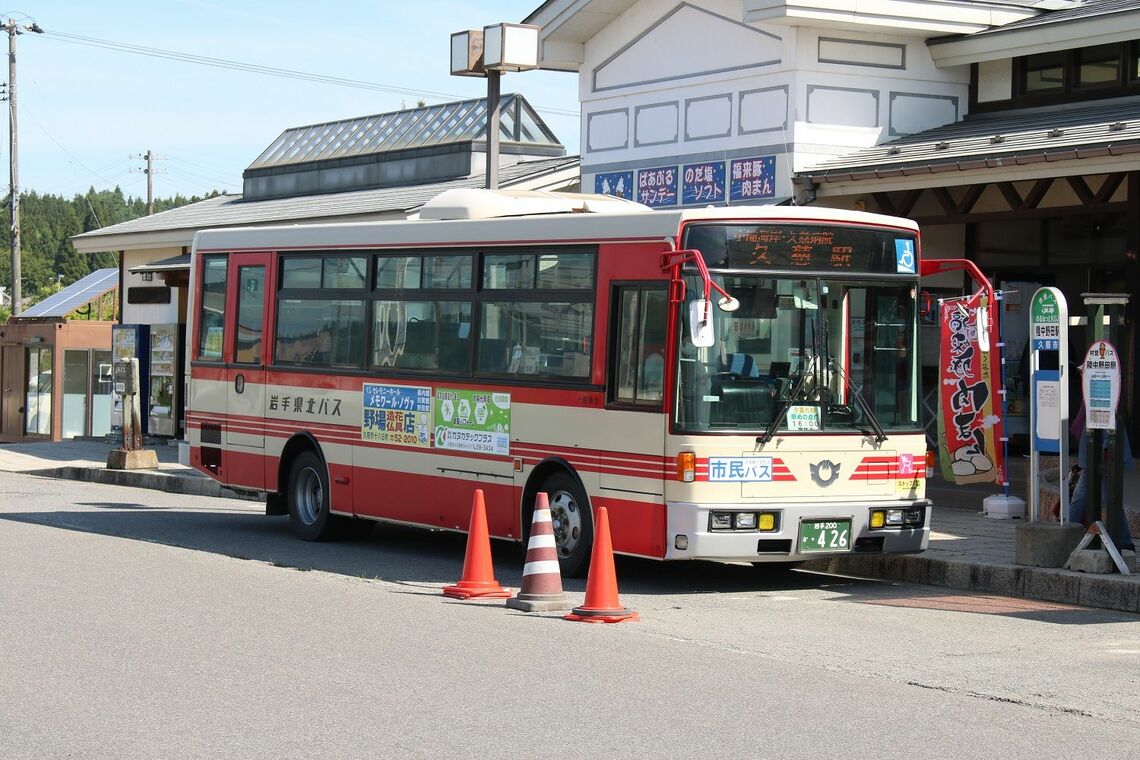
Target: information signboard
1101, 386
1045, 319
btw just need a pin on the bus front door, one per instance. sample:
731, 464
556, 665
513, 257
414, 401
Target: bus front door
245, 405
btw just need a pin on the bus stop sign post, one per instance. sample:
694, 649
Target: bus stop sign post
1100, 386
1048, 395
131, 456
1038, 543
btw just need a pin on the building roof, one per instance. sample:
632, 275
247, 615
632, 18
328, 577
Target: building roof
177, 226
1064, 27
427, 126
1001, 139
79, 293
1069, 12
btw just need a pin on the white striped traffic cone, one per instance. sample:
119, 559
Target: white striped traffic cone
542, 578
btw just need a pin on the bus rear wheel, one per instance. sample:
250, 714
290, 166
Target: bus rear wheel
573, 523
308, 498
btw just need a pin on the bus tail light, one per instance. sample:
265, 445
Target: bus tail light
686, 466
931, 462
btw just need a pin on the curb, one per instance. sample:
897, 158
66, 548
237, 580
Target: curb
156, 481
1108, 592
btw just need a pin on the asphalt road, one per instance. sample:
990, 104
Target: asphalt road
135, 623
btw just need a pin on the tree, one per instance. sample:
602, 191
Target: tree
47, 223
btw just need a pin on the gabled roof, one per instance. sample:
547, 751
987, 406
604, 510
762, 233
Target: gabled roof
78, 294
1000, 140
177, 226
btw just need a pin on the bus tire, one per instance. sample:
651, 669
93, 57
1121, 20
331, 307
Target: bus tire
308, 497
573, 523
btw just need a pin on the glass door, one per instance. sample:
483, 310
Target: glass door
37, 399
102, 387
74, 422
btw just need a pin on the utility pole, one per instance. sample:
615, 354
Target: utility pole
149, 172
149, 182
13, 29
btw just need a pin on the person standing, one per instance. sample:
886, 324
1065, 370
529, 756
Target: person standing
1079, 502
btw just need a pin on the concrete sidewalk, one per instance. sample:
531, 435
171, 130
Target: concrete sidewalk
967, 550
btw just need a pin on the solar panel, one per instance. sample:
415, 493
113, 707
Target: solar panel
79, 293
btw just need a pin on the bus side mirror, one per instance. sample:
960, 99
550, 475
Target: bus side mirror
926, 307
700, 324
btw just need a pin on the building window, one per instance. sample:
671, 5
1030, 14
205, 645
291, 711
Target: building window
1044, 72
1097, 71
1098, 66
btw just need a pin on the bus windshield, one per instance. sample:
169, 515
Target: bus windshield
803, 353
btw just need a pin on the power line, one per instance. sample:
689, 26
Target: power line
253, 68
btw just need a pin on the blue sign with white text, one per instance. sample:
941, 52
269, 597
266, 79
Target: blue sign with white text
702, 183
657, 187
751, 178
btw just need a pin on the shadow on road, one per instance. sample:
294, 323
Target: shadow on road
425, 559
392, 553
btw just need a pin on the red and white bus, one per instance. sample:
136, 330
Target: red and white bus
735, 384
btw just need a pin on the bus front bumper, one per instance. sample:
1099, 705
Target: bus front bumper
689, 532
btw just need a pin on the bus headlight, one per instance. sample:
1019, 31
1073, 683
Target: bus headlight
720, 521
910, 517
745, 521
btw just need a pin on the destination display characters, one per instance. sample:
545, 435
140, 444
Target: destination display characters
804, 247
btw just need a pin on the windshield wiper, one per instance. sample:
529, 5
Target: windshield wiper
784, 407
861, 402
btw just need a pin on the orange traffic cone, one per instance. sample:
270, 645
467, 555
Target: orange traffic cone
602, 605
542, 578
478, 579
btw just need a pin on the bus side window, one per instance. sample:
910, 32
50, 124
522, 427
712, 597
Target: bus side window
212, 308
638, 372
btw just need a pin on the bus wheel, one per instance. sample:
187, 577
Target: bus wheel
573, 523
308, 498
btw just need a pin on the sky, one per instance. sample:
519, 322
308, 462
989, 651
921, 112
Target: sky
87, 113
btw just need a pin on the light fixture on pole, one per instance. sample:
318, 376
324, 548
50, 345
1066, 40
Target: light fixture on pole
488, 53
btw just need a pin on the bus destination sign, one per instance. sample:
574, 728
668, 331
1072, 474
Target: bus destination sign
814, 247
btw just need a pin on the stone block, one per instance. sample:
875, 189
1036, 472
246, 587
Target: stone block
136, 459
1110, 592
1045, 544
996, 579
947, 573
1051, 586
1099, 561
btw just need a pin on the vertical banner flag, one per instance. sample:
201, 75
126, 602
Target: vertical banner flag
969, 378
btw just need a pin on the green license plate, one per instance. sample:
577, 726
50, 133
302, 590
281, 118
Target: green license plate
825, 536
